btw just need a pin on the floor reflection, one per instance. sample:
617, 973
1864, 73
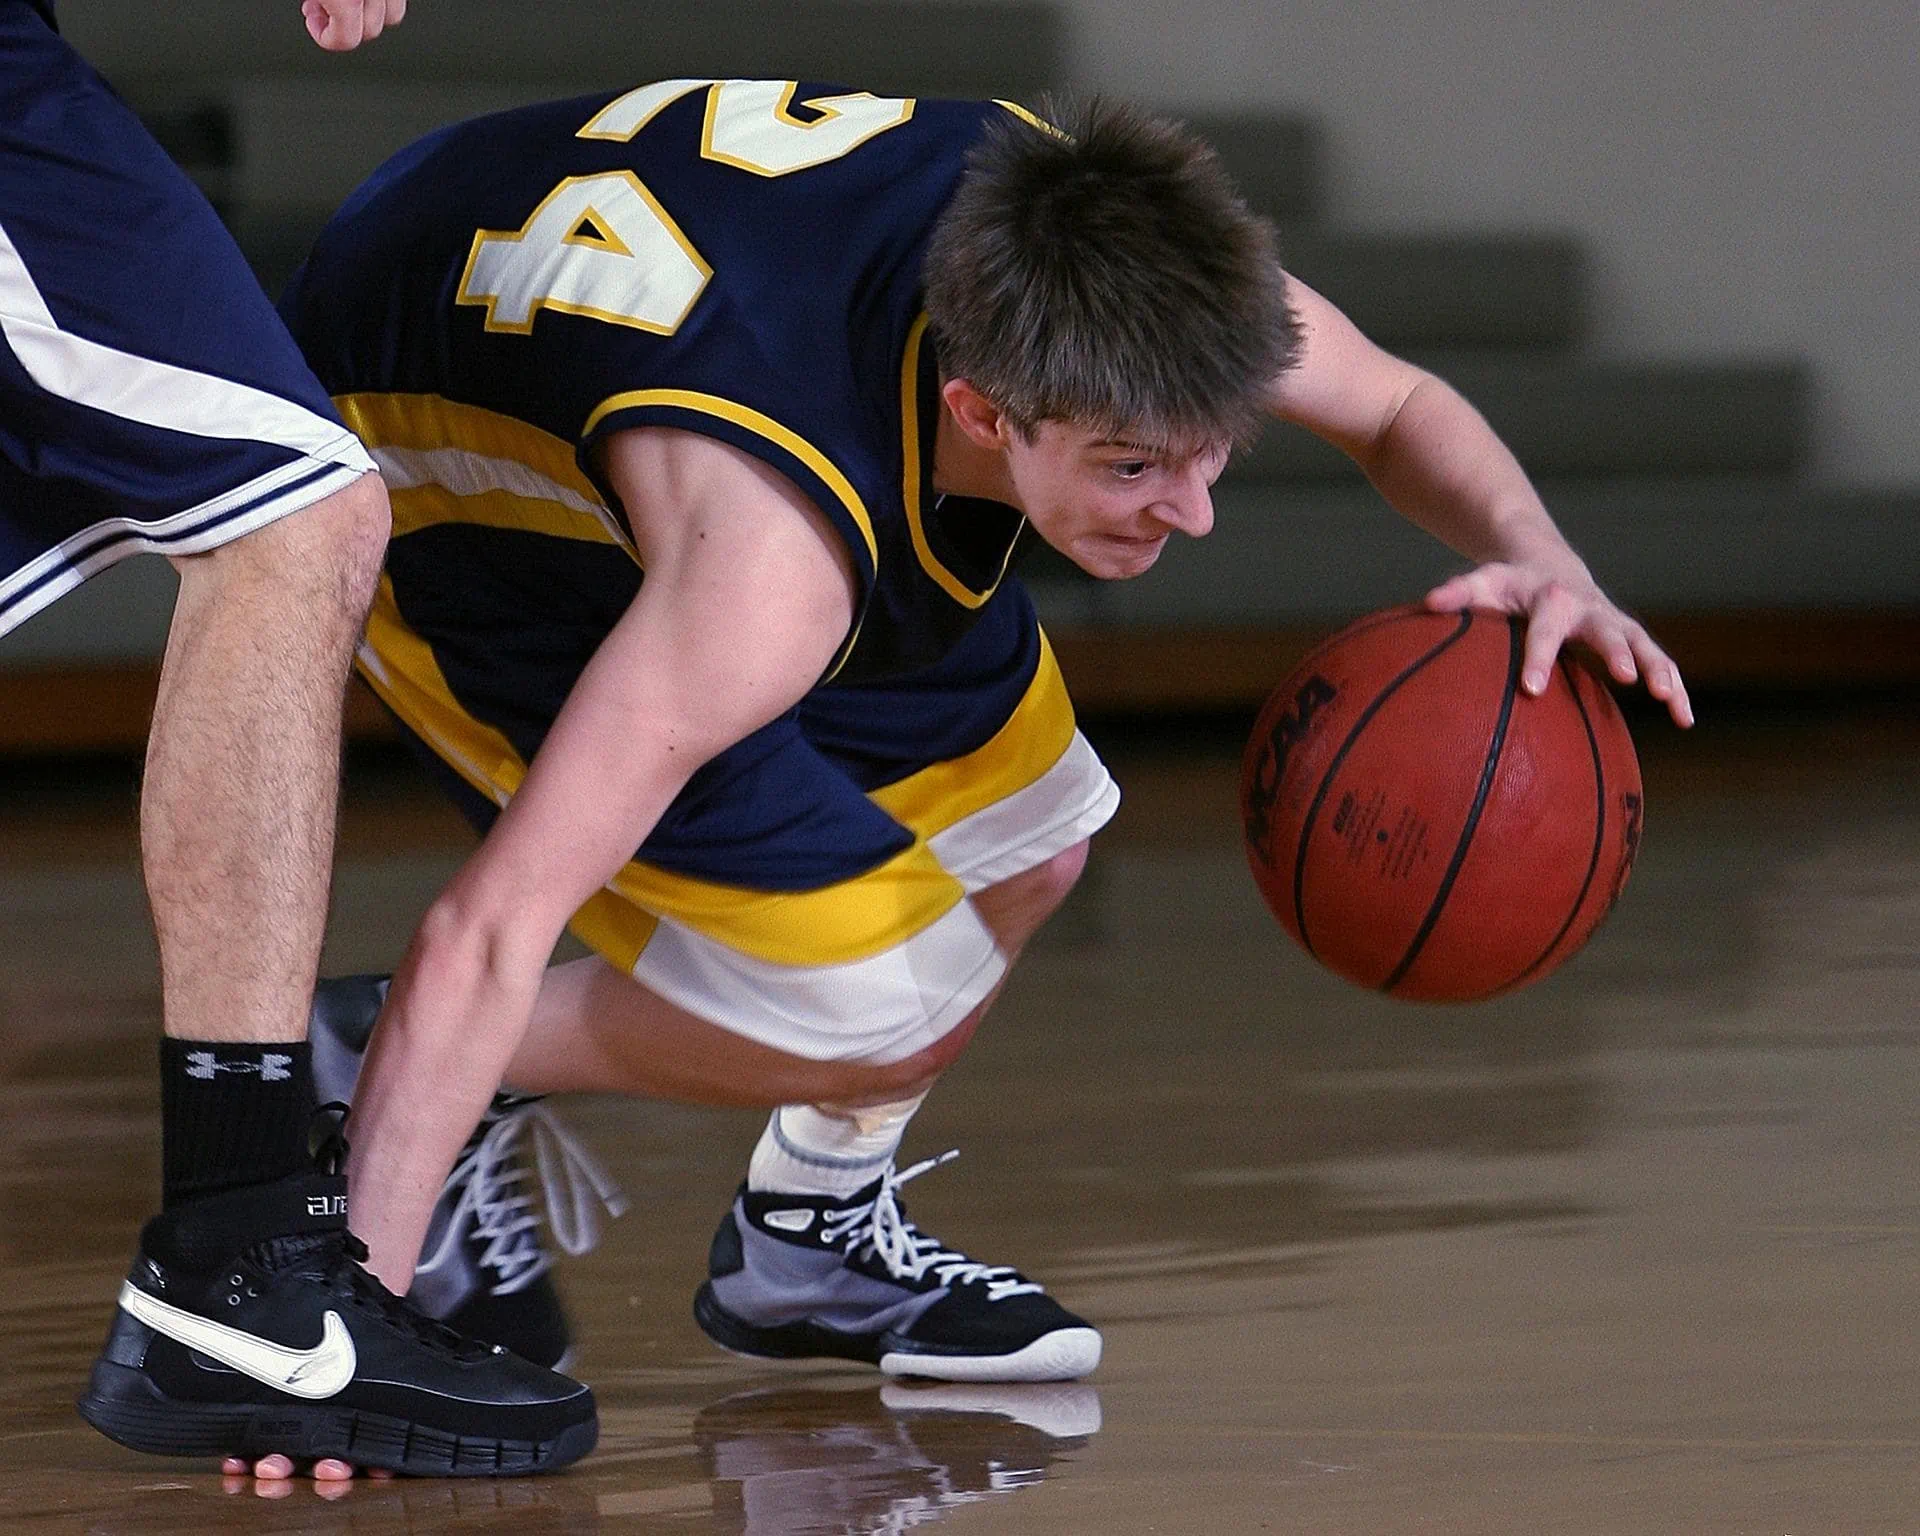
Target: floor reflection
802, 1460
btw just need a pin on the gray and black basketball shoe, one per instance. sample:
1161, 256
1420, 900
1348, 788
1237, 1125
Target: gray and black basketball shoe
483, 1268
801, 1276
247, 1327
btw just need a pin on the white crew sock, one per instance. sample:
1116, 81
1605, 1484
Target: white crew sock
809, 1151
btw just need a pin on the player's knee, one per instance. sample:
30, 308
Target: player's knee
348, 531
1015, 908
321, 563
868, 1082
367, 525
1055, 879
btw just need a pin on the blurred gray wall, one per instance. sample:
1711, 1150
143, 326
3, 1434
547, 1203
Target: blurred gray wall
1745, 174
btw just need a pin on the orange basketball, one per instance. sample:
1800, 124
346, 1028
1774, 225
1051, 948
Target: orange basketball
1425, 828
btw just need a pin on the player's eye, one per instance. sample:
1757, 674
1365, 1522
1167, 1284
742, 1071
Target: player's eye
1129, 469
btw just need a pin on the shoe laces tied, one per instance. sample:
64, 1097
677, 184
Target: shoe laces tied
885, 1231
500, 1211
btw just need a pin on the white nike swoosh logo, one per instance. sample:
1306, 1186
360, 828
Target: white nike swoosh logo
310, 1373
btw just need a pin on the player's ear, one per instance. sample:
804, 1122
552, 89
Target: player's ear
974, 414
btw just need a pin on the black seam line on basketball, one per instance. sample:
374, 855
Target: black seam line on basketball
1465, 617
1358, 627
1516, 648
1599, 827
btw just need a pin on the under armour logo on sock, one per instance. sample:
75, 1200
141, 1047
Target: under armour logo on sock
272, 1066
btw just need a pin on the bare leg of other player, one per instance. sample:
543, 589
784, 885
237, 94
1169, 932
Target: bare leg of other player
243, 765
242, 776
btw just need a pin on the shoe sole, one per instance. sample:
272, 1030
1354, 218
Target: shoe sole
125, 1406
1063, 1355
1066, 1354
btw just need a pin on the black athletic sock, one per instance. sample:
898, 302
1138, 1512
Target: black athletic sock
232, 1114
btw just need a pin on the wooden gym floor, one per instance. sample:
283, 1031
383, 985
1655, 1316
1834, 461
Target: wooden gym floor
1634, 1251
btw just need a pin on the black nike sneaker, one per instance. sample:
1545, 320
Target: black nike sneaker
228, 1344
799, 1276
483, 1268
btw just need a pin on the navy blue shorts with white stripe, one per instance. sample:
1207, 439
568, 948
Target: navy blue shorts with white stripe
150, 399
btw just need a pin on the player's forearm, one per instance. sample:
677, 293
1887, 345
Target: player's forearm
1443, 468
459, 1006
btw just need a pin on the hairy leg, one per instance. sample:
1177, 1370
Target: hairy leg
242, 776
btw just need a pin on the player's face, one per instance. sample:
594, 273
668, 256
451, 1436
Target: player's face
1109, 505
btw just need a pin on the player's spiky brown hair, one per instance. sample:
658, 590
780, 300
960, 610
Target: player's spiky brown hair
1108, 274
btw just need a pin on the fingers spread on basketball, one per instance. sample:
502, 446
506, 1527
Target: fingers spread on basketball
1663, 677
1560, 609
1631, 654
1552, 617
1485, 586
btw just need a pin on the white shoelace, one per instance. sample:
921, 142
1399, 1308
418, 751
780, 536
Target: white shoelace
573, 1183
907, 1252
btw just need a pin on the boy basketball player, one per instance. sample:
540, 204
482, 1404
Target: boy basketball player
711, 413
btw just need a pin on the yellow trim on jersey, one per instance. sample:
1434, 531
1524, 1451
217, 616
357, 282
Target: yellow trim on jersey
401, 668
948, 583
1029, 117
851, 920
425, 506
745, 416
614, 928
431, 423
382, 419
1038, 731
592, 233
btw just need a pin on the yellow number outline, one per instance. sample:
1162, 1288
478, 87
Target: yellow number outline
483, 237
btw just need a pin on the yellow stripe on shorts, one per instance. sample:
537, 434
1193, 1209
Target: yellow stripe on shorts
1038, 731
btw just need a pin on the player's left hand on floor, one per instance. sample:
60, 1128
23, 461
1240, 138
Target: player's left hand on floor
1560, 608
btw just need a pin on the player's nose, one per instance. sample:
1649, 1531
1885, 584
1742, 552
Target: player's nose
1189, 509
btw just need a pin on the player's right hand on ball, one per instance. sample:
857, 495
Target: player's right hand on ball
1562, 606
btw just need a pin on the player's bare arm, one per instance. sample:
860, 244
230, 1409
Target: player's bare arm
340, 25
747, 597
1438, 463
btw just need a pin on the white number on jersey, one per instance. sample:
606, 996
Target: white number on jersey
597, 245
750, 123
603, 246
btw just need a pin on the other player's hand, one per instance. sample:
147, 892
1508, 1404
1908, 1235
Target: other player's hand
340, 25
1559, 608
280, 1470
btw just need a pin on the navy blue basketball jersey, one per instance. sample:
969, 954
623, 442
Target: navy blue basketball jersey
739, 258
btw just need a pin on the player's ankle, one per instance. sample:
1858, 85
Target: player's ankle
809, 1150
232, 1115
